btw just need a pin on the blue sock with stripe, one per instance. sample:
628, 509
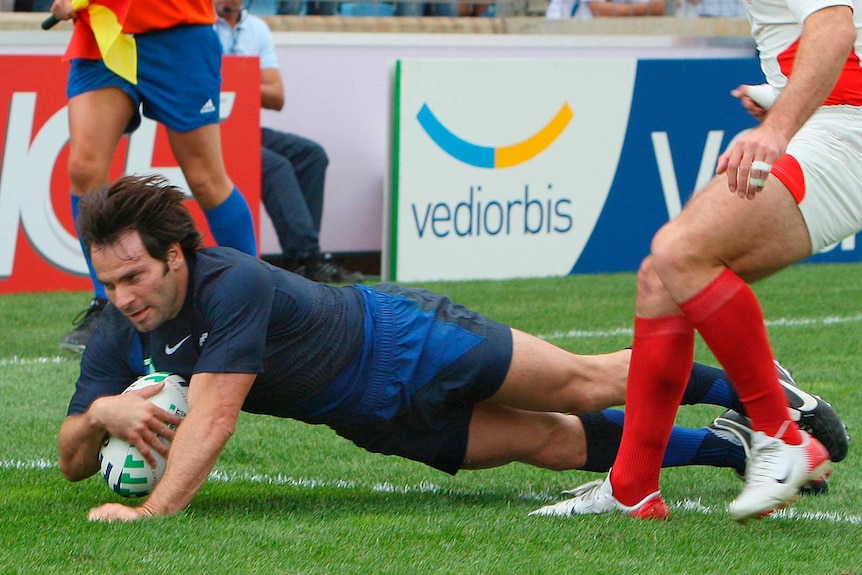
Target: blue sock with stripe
710, 385
687, 446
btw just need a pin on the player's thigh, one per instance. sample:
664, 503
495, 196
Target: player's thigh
97, 120
754, 238
544, 377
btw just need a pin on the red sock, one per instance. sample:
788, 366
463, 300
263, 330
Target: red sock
662, 356
727, 315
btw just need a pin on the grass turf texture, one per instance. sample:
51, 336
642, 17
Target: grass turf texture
292, 498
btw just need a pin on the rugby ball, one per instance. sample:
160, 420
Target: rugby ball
123, 467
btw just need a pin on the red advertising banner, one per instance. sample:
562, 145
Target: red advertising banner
39, 250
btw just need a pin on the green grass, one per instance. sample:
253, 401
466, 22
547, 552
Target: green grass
292, 498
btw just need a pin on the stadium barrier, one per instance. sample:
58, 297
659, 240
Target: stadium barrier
39, 250
340, 90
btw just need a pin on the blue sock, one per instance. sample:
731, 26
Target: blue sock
710, 385
98, 288
717, 451
687, 446
231, 224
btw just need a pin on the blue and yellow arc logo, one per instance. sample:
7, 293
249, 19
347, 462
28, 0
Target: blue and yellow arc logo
487, 156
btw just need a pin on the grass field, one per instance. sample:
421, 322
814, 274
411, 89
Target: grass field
291, 498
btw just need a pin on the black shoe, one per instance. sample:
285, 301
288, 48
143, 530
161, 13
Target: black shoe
815, 416
85, 324
736, 428
323, 269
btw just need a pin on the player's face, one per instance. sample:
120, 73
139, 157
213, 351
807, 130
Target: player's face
147, 290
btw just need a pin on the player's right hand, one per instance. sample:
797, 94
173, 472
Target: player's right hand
133, 418
749, 102
62, 9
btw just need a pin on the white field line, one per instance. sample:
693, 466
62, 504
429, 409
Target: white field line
16, 360
28, 464
427, 487
530, 496
786, 513
770, 323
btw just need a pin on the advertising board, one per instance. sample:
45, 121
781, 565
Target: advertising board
531, 168
39, 250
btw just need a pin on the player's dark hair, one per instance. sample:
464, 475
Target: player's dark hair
148, 204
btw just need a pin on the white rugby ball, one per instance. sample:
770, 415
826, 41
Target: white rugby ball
123, 467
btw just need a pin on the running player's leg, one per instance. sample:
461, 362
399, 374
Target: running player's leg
97, 119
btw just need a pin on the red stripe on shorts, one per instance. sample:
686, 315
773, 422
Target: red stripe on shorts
789, 172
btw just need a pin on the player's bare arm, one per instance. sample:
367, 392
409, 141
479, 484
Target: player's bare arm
129, 416
215, 400
827, 37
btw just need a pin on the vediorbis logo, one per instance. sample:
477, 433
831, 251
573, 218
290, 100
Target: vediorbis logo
499, 207
493, 157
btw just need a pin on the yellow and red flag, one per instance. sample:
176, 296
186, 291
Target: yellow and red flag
99, 35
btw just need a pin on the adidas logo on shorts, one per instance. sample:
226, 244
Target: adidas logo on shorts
208, 107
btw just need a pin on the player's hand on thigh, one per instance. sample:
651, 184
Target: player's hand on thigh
748, 160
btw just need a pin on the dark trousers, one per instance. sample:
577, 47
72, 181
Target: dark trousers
293, 173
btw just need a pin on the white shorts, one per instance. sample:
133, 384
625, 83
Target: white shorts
823, 171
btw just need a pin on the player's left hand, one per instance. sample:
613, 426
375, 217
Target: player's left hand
749, 159
117, 512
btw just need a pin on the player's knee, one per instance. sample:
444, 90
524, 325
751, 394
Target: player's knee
670, 253
86, 172
648, 280
207, 194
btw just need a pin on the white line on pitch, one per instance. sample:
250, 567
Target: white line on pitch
770, 323
16, 360
429, 487
29, 464
787, 513
433, 488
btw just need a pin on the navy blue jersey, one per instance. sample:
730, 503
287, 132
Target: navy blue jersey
240, 315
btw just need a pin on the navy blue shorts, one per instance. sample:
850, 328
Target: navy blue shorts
179, 78
410, 392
